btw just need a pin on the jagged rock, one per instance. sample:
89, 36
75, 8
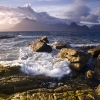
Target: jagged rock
77, 58
94, 52
40, 45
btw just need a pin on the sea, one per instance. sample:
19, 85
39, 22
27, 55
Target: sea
16, 51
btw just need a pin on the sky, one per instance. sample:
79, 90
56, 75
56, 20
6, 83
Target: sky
80, 11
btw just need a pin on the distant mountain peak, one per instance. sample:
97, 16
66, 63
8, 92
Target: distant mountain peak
28, 5
28, 19
73, 24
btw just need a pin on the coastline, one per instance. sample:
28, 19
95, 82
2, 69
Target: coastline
14, 84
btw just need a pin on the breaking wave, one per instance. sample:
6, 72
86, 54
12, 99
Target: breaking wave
33, 63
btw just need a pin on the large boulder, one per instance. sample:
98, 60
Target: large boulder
40, 45
77, 58
94, 52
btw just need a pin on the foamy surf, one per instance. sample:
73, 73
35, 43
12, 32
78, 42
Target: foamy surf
84, 45
33, 63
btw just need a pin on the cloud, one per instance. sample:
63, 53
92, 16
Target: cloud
12, 15
97, 12
48, 0
81, 13
90, 18
76, 12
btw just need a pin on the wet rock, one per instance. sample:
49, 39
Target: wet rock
77, 58
94, 52
63, 89
9, 70
24, 88
43, 39
40, 45
89, 74
51, 90
85, 48
98, 61
59, 89
33, 91
59, 45
97, 66
98, 90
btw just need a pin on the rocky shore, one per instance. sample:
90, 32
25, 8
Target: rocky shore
82, 84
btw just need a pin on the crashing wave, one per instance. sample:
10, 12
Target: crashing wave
33, 63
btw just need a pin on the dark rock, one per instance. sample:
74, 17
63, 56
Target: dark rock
77, 58
86, 47
89, 74
97, 66
43, 39
59, 45
6, 37
7, 71
98, 62
94, 52
40, 46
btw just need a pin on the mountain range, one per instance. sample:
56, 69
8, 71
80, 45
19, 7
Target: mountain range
33, 25
26, 19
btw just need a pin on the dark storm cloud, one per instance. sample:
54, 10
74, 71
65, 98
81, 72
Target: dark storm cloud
90, 18
81, 13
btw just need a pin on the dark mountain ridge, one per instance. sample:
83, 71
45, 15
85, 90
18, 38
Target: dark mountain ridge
33, 25
95, 28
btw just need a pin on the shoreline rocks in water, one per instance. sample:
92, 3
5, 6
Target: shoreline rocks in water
15, 85
40, 45
77, 58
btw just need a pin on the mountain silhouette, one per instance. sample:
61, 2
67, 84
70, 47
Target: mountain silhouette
33, 25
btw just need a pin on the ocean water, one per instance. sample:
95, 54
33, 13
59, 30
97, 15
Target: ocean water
16, 51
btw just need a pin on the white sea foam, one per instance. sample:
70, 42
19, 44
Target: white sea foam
82, 45
33, 63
